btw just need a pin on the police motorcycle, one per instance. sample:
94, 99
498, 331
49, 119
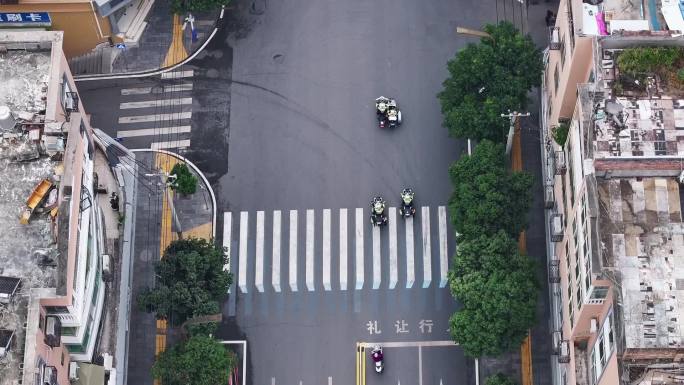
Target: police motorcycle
407, 208
387, 112
376, 356
378, 217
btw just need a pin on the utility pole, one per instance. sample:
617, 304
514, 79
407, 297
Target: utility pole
513, 117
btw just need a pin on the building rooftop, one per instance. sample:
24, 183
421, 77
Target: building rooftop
609, 17
28, 251
642, 237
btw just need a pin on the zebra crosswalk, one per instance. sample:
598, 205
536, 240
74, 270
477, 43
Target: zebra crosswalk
329, 249
158, 117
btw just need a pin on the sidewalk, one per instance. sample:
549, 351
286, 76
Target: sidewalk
163, 42
156, 228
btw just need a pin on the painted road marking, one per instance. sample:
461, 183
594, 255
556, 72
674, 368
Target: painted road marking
427, 252
177, 74
359, 248
376, 258
183, 143
326, 250
148, 90
154, 117
227, 236
410, 262
259, 264
394, 275
293, 250
409, 344
310, 250
155, 103
244, 218
275, 273
420, 365
153, 131
443, 253
343, 249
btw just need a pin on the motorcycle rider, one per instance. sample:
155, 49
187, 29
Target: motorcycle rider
378, 211
376, 355
407, 207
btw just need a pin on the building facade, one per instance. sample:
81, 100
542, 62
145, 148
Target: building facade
63, 308
613, 199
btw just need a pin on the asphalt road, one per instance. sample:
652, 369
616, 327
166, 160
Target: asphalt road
303, 135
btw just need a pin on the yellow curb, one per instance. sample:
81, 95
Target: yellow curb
177, 51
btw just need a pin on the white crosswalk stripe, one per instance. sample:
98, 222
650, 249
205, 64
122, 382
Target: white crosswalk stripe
275, 274
293, 250
427, 251
158, 116
389, 255
344, 275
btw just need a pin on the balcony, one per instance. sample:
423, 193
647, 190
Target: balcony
554, 38
561, 165
556, 227
548, 196
554, 270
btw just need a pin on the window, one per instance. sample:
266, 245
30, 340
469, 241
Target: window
599, 292
65, 88
69, 331
556, 79
562, 52
56, 309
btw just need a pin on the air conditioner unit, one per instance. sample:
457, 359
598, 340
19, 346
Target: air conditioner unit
594, 325
106, 265
73, 371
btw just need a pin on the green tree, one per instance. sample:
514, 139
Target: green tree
488, 79
487, 197
498, 289
500, 379
184, 6
186, 182
190, 281
498, 309
199, 361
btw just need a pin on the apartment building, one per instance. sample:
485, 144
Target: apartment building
614, 193
52, 260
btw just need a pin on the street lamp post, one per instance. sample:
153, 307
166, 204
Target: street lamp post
167, 182
513, 117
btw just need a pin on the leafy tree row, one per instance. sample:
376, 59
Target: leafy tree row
494, 282
190, 283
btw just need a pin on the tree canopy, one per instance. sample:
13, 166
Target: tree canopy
184, 6
498, 289
499, 379
488, 79
190, 281
199, 361
487, 197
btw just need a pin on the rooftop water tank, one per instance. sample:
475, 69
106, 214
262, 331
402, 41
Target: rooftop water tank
7, 121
